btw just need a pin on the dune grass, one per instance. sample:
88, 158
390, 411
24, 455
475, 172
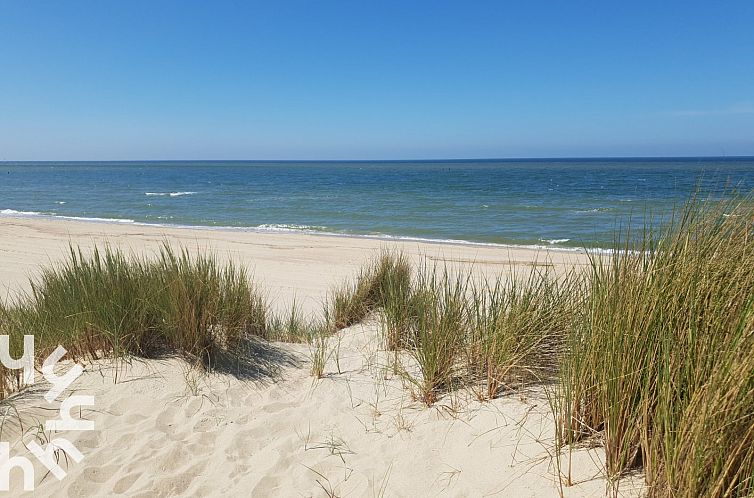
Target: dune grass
111, 304
353, 301
460, 332
518, 328
651, 348
660, 366
292, 326
441, 329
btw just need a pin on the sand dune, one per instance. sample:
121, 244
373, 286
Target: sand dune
164, 429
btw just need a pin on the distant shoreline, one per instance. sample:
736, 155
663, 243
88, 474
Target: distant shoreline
285, 231
278, 258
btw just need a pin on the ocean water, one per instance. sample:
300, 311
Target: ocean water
556, 203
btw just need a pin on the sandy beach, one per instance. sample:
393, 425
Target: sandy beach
289, 265
164, 429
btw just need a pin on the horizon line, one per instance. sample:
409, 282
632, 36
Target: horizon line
479, 159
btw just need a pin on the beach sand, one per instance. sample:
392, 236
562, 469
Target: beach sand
164, 429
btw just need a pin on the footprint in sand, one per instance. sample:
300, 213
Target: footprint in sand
124, 483
100, 474
206, 424
135, 418
81, 487
239, 470
159, 441
178, 484
248, 442
277, 407
266, 486
173, 486
89, 440
166, 421
175, 458
204, 439
119, 407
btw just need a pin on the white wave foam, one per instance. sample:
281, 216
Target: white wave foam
13, 212
60, 202
99, 220
595, 210
554, 241
171, 194
286, 227
377, 236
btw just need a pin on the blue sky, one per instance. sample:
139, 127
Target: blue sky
374, 79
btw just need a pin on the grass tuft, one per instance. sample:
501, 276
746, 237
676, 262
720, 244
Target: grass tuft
660, 365
353, 301
110, 304
439, 309
518, 328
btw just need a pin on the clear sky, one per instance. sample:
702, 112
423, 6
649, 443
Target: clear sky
374, 79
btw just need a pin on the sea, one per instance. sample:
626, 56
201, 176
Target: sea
568, 204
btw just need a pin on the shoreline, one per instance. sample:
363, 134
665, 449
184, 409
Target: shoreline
14, 214
297, 267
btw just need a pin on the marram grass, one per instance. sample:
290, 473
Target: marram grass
651, 349
437, 330
353, 301
660, 366
111, 304
491, 336
518, 326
